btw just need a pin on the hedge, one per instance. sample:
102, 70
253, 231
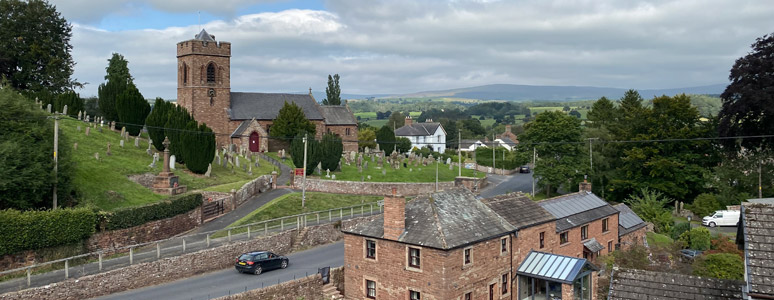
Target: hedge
28, 230
135, 216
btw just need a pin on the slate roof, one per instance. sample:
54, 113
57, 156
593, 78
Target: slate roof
628, 221
241, 129
759, 247
266, 106
508, 141
204, 36
418, 129
576, 209
467, 143
552, 267
518, 210
337, 115
593, 245
647, 285
443, 220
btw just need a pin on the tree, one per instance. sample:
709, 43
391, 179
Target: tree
365, 138
704, 205
156, 121
35, 47
748, 102
132, 109
566, 108
719, 265
26, 149
91, 107
198, 147
471, 128
602, 113
118, 80
403, 144
333, 91
697, 238
555, 136
650, 205
177, 124
291, 122
386, 139
331, 148
575, 113
396, 120
72, 100
313, 153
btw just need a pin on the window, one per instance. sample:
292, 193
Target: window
584, 232
468, 296
347, 131
371, 249
504, 282
492, 291
504, 245
604, 225
466, 254
211, 73
564, 237
414, 295
185, 73
414, 258
542, 240
370, 289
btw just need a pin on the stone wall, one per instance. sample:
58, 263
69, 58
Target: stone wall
252, 188
471, 183
373, 188
308, 288
179, 267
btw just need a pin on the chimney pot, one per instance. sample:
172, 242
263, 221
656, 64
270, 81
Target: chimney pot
585, 186
394, 216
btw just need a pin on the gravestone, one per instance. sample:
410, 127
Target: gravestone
448, 161
362, 178
99, 129
123, 131
121, 143
86, 118
411, 169
327, 173
369, 177
365, 165
367, 150
360, 169
451, 167
48, 108
75, 146
225, 161
384, 171
80, 115
318, 171
172, 162
153, 161
64, 110
236, 161
78, 128
137, 142
96, 155
333, 176
108, 149
217, 157
373, 158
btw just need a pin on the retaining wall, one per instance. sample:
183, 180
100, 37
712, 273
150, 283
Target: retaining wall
374, 188
308, 288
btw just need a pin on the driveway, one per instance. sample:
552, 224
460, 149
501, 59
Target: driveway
503, 184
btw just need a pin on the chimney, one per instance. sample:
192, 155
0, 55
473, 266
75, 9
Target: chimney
428, 120
507, 128
394, 216
585, 185
408, 121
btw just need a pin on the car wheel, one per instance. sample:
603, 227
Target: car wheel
712, 224
258, 270
284, 264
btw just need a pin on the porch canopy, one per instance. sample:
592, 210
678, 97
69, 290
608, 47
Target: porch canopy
553, 267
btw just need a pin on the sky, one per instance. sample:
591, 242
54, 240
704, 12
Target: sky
405, 46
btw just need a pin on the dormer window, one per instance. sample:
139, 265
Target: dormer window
211, 73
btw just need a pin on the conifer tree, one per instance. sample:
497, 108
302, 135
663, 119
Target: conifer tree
313, 153
386, 139
132, 109
72, 100
332, 147
176, 125
156, 121
198, 147
291, 122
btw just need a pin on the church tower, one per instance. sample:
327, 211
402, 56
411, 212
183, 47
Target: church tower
204, 82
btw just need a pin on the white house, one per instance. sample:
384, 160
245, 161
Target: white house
427, 134
470, 145
505, 142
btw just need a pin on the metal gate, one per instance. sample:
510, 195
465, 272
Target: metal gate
213, 209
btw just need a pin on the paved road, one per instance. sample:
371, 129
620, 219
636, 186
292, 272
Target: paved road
223, 282
503, 184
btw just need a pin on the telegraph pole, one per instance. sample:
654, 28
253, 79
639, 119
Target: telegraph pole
436, 172
56, 156
591, 158
494, 166
303, 189
459, 153
760, 185
534, 155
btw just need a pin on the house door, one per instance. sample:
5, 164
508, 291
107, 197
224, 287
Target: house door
255, 142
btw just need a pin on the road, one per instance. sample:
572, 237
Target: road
229, 281
503, 184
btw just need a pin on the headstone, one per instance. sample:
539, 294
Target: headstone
369, 177
153, 162
75, 146
48, 108
86, 118
327, 173
64, 110
99, 129
384, 171
411, 169
367, 150
362, 178
448, 161
339, 165
217, 157
172, 162
123, 131
318, 171
80, 115
365, 165
451, 167
137, 141
236, 161
373, 158
108, 149
333, 176
225, 161
121, 143
360, 169
78, 128
96, 155
113, 125
209, 171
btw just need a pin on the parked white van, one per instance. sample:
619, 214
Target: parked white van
722, 218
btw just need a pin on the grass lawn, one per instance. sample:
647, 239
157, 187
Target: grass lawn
377, 123
660, 240
105, 183
417, 174
290, 204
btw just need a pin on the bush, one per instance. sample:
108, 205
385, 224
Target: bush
697, 238
313, 153
403, 144
386, 139
704, 205
723, 244
719, 265
331, 148
198, 147
135, 216
651, 207
37, 229
156, 121
635, 257
679, 229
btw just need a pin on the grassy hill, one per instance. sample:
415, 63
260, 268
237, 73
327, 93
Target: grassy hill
105, 183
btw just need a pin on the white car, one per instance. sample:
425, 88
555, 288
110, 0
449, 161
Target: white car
722, 218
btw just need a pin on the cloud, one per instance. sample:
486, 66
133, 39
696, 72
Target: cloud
405, 46
87, 11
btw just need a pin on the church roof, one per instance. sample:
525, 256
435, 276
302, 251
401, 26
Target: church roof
337, 115
266, 106
204, 36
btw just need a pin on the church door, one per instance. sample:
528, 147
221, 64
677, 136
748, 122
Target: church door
255, 142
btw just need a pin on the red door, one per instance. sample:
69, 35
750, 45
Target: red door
255, 140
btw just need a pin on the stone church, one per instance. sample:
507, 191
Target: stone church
241, 118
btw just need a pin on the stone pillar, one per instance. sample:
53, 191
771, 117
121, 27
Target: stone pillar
165, 166
273, 180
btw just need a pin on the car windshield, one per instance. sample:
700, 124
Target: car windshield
246, 257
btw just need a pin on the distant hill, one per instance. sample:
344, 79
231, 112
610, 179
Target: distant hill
516, 92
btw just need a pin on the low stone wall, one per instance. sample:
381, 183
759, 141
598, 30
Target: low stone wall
374, 188
252, 188
490, 170
179, 267
473, 184
151, 231
308, 288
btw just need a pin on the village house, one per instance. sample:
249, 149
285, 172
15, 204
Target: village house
450, 245
424, 134
239, 118
469, 145
756, 237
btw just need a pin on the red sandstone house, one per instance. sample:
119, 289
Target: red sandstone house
450, 245
245, 119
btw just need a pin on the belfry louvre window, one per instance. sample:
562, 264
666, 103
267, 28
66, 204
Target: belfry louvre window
211, 73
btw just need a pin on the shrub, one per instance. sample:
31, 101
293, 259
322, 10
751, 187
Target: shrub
199, 147
37, 229
403, 144
719, 265
635, 257
723, 244
704, 205
156, 121
679, 228
697, 238
135, 216
313, 153
651, 207
386, 139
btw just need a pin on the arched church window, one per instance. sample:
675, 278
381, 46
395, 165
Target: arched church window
185, 73
211, 73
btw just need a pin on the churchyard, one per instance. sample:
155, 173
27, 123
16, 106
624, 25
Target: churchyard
120, 179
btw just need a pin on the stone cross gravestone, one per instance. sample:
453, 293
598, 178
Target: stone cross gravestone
172, 162
328, 173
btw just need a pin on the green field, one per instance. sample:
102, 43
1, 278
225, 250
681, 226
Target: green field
410, 174
370, 118
105, 184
